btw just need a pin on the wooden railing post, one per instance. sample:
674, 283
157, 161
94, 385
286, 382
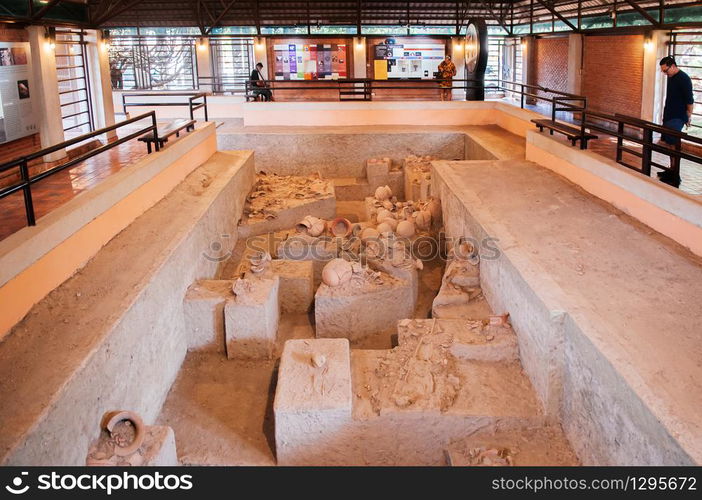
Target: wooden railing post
27, 191
646, 155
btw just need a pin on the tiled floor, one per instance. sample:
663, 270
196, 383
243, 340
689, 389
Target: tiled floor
54, 191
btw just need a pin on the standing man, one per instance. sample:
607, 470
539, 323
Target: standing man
259, 83
677, 113
447, 70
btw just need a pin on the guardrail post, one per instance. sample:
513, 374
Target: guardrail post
646, 155
153, 123
205, 100
620, 141
521, 85
554, 100
27, 191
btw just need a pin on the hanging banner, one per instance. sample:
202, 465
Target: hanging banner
17, 118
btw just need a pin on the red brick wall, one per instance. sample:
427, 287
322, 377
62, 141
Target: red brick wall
613, 73
29, 144
551, 63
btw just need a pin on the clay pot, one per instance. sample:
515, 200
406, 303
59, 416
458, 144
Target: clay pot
259, 262
405, 229
310, 225
337, 272
383, 193
340, 227
422, 219
369, 233
383, 214
387, 205
390, 222
384, 228
318, 360
110, 421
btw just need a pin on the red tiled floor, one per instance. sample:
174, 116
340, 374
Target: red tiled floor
54, 191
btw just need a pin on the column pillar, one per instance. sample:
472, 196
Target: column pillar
528, 47
458, 56
45, 81
203, 56
261, 56
100, 81
575, 63
359, 57
654, 82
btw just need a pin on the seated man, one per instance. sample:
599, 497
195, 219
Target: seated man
259, 85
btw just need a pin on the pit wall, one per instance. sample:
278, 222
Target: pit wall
37, 259
139, 351
664, 208
604, 419
345, 155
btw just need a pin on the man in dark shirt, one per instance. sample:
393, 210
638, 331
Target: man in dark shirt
677, 113
259, 85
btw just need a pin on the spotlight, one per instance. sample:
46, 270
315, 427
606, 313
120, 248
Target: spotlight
648, 45
50, 38
201, 44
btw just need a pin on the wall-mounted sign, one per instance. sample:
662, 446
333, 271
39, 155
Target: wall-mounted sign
309, 62
411, 60
17, 117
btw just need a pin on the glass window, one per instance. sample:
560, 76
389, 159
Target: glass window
234, 30
686, 48
333, 30
432, 30
233, 61
384, 30
283, 30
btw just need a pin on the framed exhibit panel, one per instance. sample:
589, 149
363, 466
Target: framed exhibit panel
17, 118
310, 61
409, 59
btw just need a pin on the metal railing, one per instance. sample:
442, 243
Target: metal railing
222, 84
26, 181
641, 133
192, 102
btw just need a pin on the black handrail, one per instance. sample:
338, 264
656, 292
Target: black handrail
25, 183
192, 104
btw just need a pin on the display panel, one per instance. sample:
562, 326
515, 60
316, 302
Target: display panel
17, 117
410, 60
294, 61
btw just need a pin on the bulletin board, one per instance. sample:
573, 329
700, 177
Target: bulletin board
17, 117
296, 61
410, 60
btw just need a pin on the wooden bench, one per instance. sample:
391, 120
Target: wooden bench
572, 133
164, 133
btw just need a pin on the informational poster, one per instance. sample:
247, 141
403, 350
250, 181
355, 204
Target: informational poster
310, 62
410, 60
17, 118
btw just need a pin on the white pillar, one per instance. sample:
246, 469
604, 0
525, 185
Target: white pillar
45, 81
575, 63
359, 57
261, 55
203, 56
458, 56
100, 81
654, 82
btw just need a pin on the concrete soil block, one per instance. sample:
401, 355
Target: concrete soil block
355, 310
158, 450
324, 208
409, 274
296, 294
306, 248
313, 402
417, 183
203, 310
251, 320
471, 339
351, 189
